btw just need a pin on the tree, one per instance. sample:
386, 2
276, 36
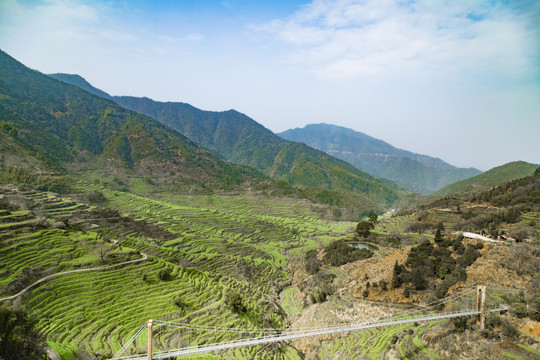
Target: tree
18, 338
373, 217
363, 228
438, 235
418, 280
101, 249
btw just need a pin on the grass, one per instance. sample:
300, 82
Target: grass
530, 349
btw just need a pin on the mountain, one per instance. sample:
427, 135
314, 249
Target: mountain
237, 138
416, 172
63, 128
494, 177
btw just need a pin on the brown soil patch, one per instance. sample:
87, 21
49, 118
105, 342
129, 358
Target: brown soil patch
532, 328
487, 270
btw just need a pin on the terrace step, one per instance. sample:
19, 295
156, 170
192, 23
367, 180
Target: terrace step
66, 209
19, 225
58, 204
9, 218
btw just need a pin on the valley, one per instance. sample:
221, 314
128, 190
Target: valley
217, 229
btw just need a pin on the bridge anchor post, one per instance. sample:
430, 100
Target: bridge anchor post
149, 339
481, 306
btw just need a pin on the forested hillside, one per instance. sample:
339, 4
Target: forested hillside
65, 127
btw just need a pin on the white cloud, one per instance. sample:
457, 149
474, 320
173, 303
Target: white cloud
194, 37
61, 22
349, 38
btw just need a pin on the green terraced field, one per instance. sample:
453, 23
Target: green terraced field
372, 343
216, 244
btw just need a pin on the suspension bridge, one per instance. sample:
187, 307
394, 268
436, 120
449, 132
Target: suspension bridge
476, 306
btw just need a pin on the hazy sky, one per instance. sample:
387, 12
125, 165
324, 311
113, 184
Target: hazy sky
458, 79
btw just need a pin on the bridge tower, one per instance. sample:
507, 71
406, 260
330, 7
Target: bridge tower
149, 339
481, 306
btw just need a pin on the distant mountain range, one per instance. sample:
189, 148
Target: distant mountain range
419, 173
491, 178
237, 138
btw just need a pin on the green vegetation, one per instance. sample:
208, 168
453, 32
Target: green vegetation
363, 228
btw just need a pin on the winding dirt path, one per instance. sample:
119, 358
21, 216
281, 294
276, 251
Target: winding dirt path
144, 257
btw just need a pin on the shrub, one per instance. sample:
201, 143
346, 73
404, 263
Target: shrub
5, 205
407, 292
96, 197
165, 274
418, 280
235, 303
318, 297
394, 241
339, 253
520, 310
509, 330
311, 262
469, 256
461, 324
179, 302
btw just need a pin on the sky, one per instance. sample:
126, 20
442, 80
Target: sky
458, 80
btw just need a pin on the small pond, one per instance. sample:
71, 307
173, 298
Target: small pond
363, 245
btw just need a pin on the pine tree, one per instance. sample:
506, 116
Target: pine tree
396, 280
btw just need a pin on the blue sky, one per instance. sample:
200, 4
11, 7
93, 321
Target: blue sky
459, 80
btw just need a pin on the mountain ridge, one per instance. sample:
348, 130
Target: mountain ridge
237, 138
